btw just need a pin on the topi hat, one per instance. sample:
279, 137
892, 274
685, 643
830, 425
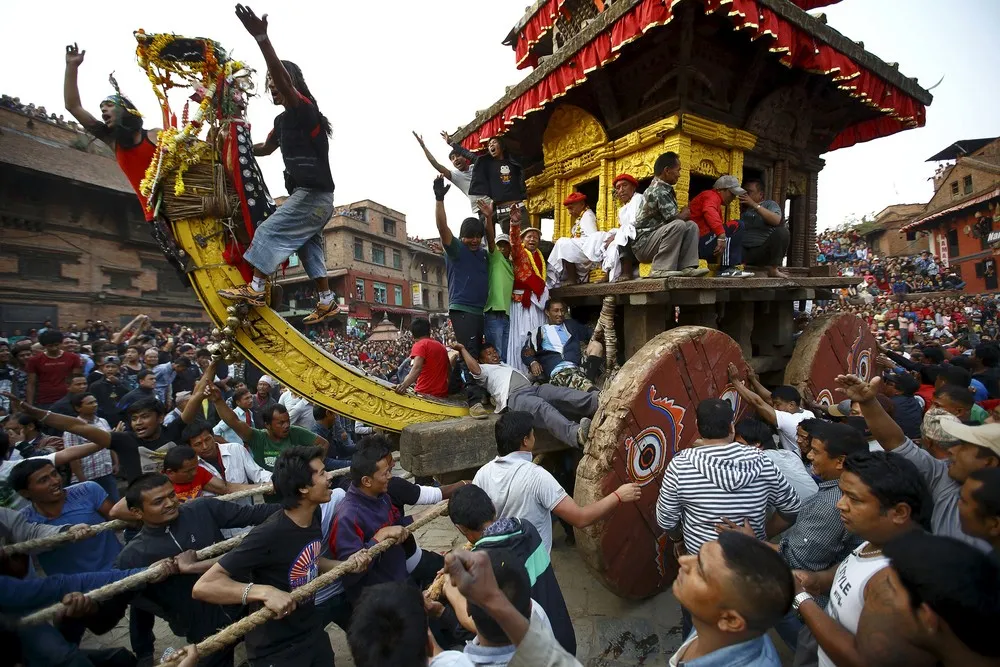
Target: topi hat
575, 197
626, 177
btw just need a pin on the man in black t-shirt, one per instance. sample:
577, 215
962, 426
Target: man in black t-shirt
274, 559
302, 133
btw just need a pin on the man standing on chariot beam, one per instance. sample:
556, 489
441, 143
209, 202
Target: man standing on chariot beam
302, 133
120, 126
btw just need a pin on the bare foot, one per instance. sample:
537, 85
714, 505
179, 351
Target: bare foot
775, 272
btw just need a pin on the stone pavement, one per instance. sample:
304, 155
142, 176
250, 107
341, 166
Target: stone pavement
610, 632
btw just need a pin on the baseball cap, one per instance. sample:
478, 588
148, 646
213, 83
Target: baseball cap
730, 183
502, 238
986, 436
842, 409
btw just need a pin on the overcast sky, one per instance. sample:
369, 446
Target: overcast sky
381, 70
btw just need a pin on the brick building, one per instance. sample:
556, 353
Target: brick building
964, 210
74, 242
885, 238
375, 268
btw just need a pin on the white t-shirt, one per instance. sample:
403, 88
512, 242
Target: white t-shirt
463, 181
847, 595
788, 424
497, 378
790, 465
520, 489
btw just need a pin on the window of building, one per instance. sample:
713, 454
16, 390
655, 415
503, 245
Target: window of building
359, 289
911, 236
120, 279
378, 254
438, 272
39, 268
954, 188
380, 293
389, 227
397, 293
440, 301
397, 259
427, 298
359, 249
967, 185
952, 237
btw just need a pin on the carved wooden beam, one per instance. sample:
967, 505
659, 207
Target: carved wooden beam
749, 83
604, 93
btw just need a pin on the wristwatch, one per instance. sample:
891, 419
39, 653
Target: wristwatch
799, 599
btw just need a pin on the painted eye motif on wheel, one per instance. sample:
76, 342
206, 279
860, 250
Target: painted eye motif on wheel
644, 456
825, 398
863, 365
734, 399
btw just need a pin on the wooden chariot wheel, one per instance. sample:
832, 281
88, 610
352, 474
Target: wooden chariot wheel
646, 414
830, 346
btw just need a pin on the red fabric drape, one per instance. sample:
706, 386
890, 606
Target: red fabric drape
533, 31
795, 48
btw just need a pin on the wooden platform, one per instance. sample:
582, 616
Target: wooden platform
694, 291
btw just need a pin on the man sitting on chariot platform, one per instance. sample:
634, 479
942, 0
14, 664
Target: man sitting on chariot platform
302, 133
562, 351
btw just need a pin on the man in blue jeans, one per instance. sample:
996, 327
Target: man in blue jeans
303, 135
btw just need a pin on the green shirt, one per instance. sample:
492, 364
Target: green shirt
978, 414
265, 450
501, 277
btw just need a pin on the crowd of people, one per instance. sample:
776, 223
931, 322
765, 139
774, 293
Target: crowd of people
850, 255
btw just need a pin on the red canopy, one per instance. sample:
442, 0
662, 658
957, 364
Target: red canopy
795, 48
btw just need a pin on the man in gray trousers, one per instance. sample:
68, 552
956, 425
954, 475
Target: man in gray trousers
563, 412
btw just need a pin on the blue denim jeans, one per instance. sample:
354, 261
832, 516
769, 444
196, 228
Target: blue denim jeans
497, 331
297, 226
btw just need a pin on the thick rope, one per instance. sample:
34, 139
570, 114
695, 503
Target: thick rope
48, 543
436, 589
108, 591
233, 633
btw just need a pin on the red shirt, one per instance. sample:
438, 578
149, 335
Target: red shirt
52, 374
706, 210
192, 489
433, 378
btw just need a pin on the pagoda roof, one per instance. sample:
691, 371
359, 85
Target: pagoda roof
799, 40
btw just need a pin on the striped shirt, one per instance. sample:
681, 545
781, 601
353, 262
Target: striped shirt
96, 465
704, 485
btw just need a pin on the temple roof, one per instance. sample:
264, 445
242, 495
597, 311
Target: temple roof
38, 154
799, 40
960, 148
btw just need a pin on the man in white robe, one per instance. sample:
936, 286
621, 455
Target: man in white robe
617, 260
573, 257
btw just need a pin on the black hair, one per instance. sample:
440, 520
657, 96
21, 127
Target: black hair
4, 444
364, 463
471, 507
319, 412
183, 362
26, 420
486, 345
839, 439
23, 471
904, 382
552, 301
511, 430
240, 393
50, 337
194, 429
472, 228
715, 418
756, 432
987, 496
176, 456
929, 374
148, 403
761, 579
962, 361
203, 352
293, 472
893, 479
144, 482
955, 375
934, 354
787, 393
143, 374
76, 400
378, 443
954, 579
268, 414
958, 393
420, 328
73, 376
513, 581
389, 627
664, 161
758, 181
295, 72
988, 354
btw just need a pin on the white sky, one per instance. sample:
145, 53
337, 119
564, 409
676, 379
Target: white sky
380, 70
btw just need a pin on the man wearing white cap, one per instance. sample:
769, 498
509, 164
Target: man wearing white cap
716, 238
500, 274
978, 447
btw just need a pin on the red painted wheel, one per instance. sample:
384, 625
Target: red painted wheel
646, 414
832, 345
